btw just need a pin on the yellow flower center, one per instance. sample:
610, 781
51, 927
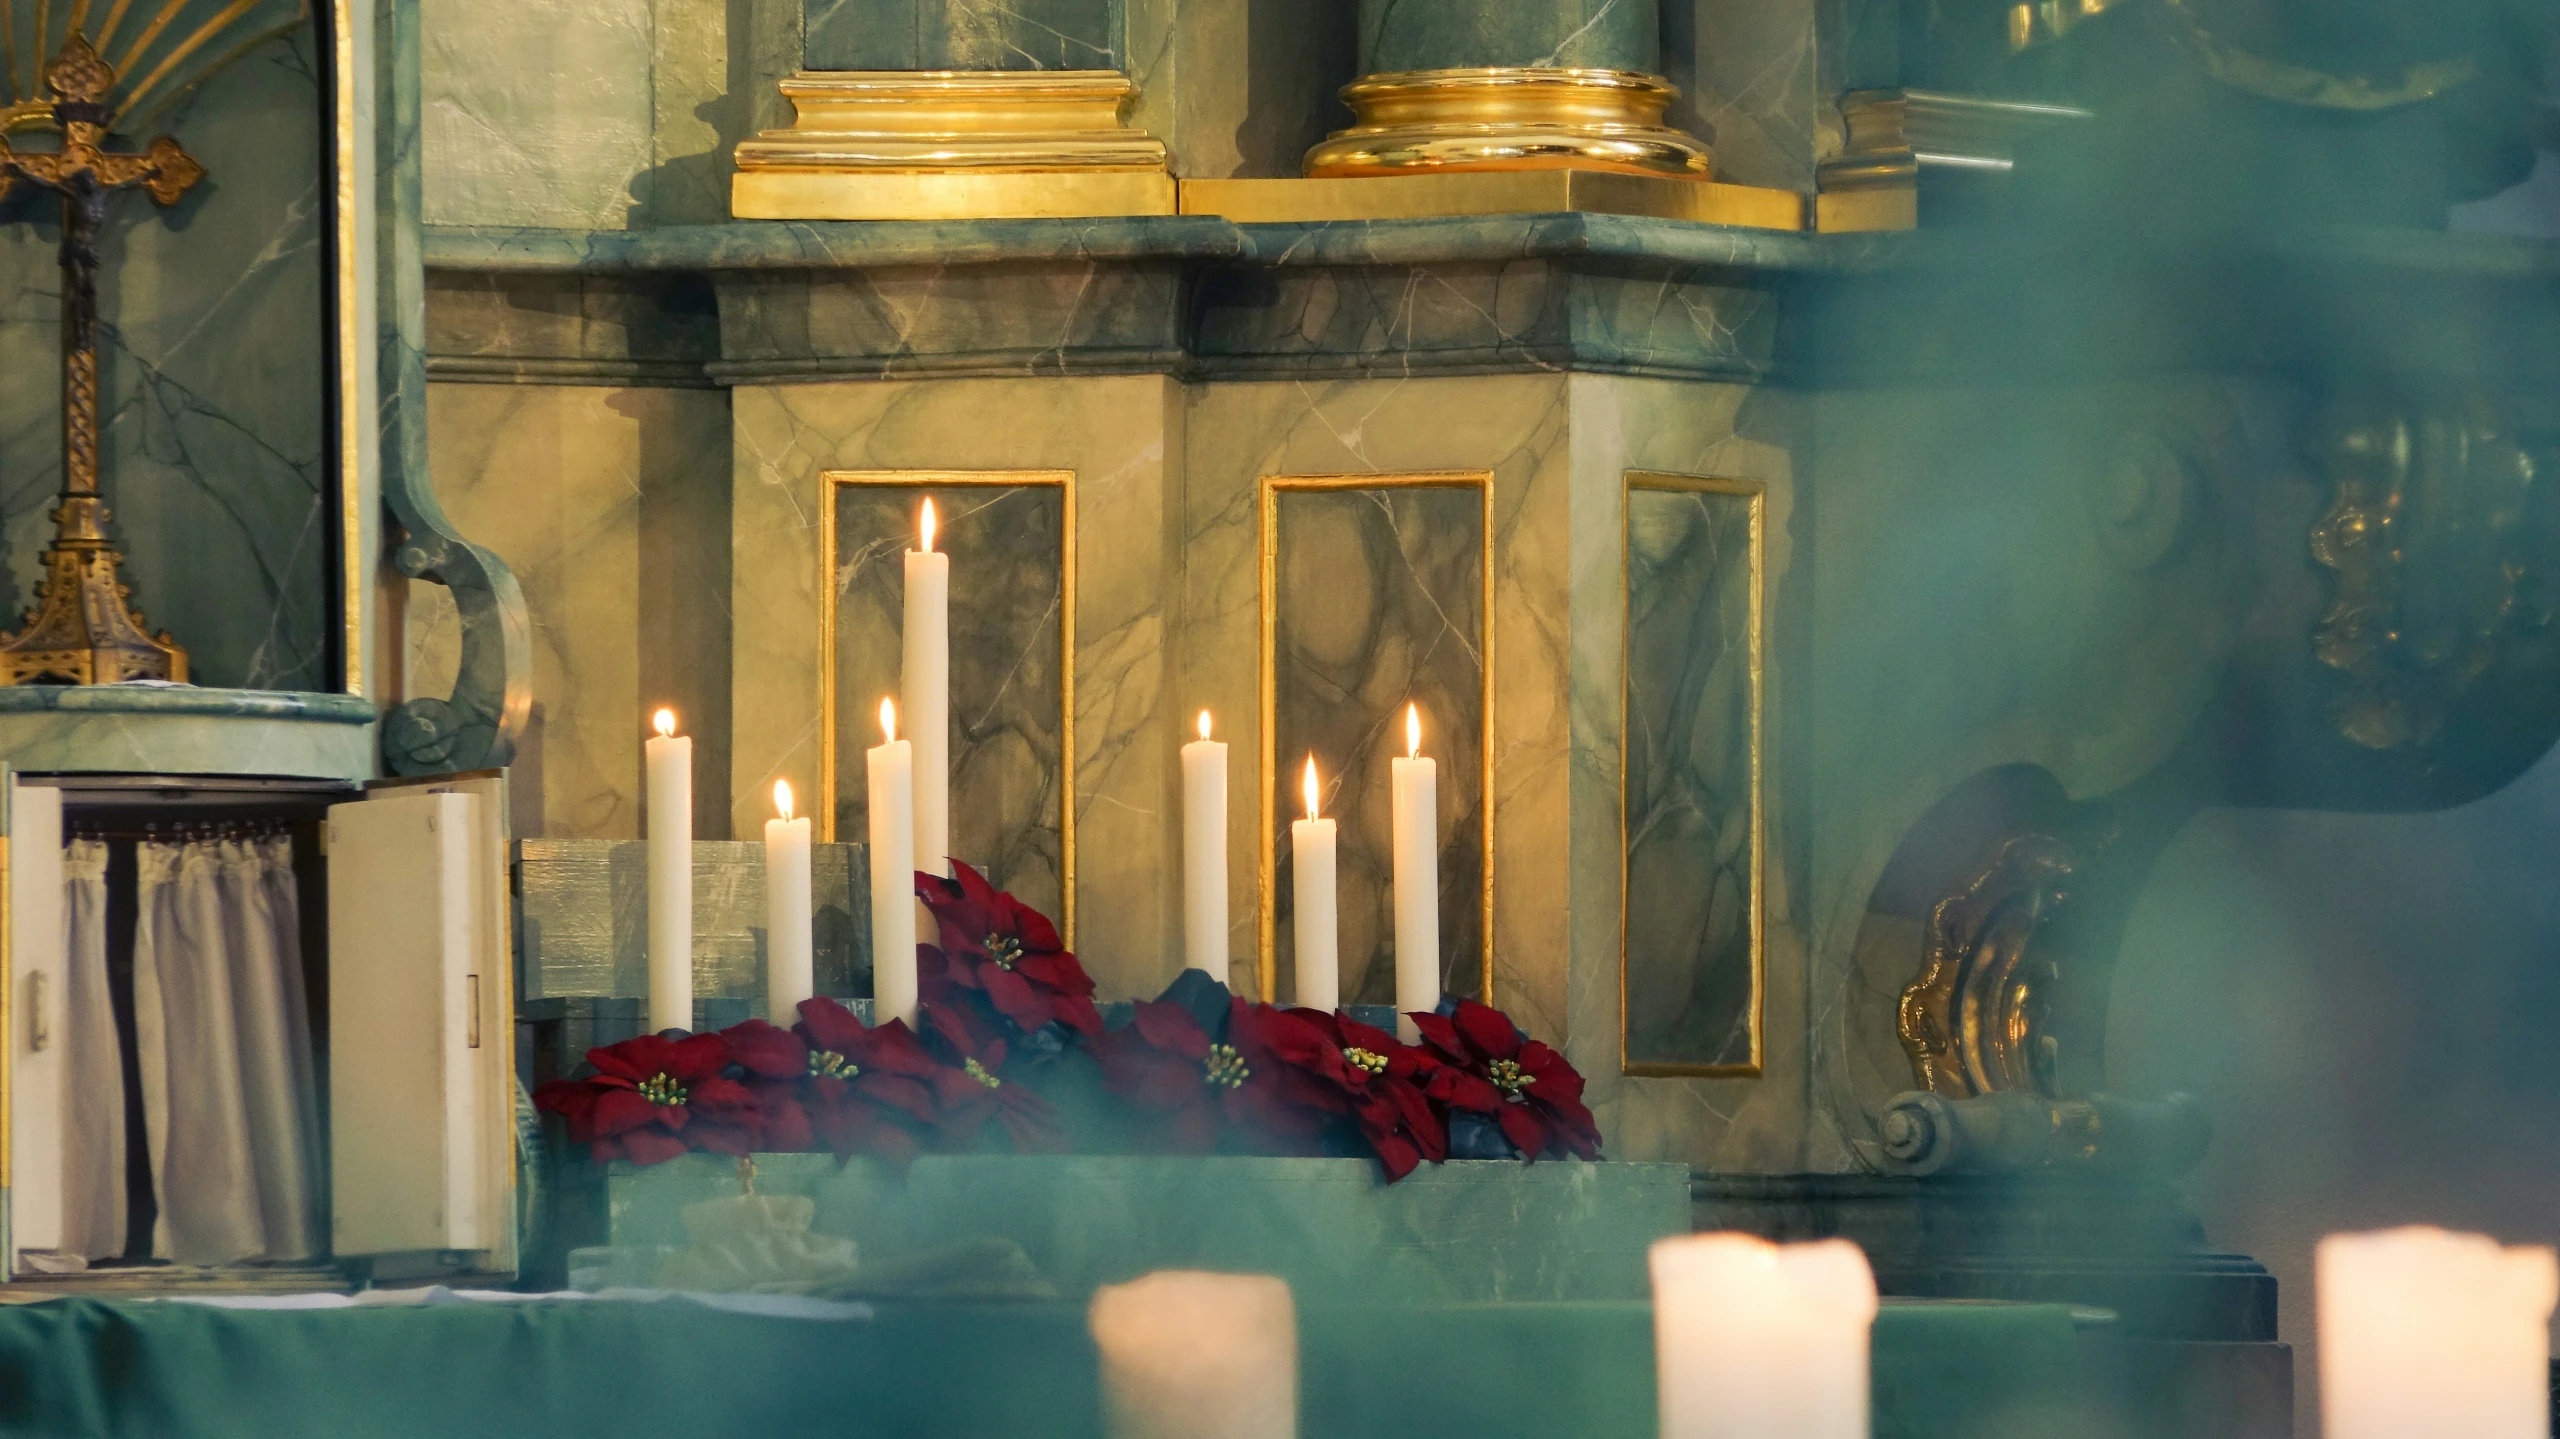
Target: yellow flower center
1508, 1077
1004, 949
661, 1089
1367, 1060
827, 1064
979, 1073
1224, 1068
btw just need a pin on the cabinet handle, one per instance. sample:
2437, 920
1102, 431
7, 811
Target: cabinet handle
471, 1021
39, 1028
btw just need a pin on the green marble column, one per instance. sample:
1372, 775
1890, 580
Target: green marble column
964, 35
1401, 35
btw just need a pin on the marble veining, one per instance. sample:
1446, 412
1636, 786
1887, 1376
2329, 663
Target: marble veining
1381, 602
213, 447
963, 35
1398, 35
1028, 318
1007, 547
1691, 809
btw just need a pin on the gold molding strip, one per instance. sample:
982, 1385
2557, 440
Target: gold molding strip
1064, 481
354, 349
1757, 493
1268, 605
1486, 192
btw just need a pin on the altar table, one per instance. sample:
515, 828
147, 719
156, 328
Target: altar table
673, 1368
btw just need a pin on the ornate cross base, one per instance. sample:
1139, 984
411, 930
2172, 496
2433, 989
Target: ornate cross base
80, 630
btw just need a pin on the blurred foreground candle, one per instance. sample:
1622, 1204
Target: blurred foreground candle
893, 873
790, 938
1416, 783
1753, 1340
1204, 853
1197, 1356
925, 687
2430, 1335
1315, 916
670, 816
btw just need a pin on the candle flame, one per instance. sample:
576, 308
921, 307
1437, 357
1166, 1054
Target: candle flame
665, 721
928, 525
782, 798
1412, 731
1204, 724
1311, 786
888, 721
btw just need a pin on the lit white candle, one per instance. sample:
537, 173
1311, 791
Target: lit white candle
790, 937
1753, 1340
1416, 782
1319, 957
2431, 1335
893, 873
670, 816
1204, 853
1197, 1356
924, 687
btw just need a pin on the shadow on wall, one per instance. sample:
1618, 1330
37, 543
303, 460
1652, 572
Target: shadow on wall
2370, 1008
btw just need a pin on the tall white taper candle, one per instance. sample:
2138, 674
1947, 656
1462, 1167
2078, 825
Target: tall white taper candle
1753, 1339
670, 816
1317, 914
1197, 1356
893, 873
924, 689
2426, 1334
1204, 853
1416, 782
790, 939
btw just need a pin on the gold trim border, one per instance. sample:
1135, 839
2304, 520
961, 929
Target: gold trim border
1757, 492
829, 482
1268, 605
355, 349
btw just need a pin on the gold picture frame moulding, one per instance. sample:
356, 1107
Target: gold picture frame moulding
1268, 604
1757, 492
830, 482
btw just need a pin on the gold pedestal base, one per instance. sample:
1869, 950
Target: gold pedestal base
1508, 119
951, 145
81, 631
1518, 192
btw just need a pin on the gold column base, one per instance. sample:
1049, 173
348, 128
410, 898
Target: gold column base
81, 630
953, 145
1518, 192
1508, 118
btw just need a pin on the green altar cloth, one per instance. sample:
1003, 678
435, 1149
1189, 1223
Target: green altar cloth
634, 1370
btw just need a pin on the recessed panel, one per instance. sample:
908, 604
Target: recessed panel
1692, 750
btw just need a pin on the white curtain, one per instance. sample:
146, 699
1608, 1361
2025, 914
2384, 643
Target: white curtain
225, 1041
93, 1210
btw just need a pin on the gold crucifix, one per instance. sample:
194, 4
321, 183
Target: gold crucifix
80, 629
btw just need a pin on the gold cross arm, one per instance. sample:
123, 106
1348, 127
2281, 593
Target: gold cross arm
79, 80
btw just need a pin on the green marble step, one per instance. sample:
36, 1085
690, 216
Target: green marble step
186, 730
1463, 1232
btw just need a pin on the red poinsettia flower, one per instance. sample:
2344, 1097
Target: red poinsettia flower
1002, 951
1383, 1081
969, 1088
653, 1098
868, 1088
1324, 1072
1162, 1061
1490, 1068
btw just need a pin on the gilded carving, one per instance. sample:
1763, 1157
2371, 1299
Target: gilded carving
1974, 1020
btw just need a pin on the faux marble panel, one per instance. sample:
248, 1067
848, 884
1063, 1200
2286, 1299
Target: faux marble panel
1113, 433
1458, 34
582, 919
611, 506
1512, 425
963, 35
1240, 88
1469, 317
211, 376
1381, 601
1750, 74
567, 328
1045, 317
1008, 552
1692, 804
102, 730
